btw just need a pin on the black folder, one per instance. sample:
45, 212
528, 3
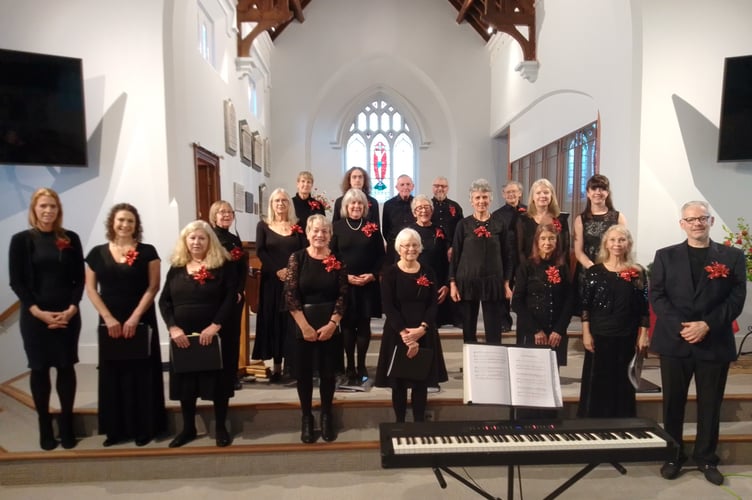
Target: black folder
119, 349
317, 316
416, 368
196, 357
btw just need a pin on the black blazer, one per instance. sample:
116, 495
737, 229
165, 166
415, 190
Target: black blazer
716, 301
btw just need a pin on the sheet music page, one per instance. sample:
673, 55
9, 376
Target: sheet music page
534, 377
485, 374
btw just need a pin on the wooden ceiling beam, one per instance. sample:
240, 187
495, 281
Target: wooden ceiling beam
507, 15
463, 10
298, 10
266, 14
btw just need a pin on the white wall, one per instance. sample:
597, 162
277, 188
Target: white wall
413, 51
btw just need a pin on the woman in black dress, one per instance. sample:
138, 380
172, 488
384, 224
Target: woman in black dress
304, 203
122, 280
481, 267
543, 208
434, 255
543, 295
409, 297
358, 243
357, 178
46, 267
221, 218
615, 322
277, 237
198, 297
315, 295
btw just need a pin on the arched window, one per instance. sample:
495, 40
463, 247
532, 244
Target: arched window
379, 141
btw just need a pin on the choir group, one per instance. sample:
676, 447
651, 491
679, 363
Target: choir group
421, 265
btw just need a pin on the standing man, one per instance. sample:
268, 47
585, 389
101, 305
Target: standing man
446, 213
305, 205
697, 290
398, 214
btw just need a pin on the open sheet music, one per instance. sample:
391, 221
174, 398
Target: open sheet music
514, 376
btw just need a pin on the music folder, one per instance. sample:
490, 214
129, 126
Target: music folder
196, 357
415, 368
121, 348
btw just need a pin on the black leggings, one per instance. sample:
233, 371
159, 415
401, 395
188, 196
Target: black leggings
419, 399
41, 388
357, 335
188, 411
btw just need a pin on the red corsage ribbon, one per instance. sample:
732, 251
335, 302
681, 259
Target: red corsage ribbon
452, 210
315, 205
331, 263
202, 275
295, 228
440, 234
423, 281
369, 229
130, 256
552, 273
557, 225
236, 254
482, 232
62, 244
521, 209
717, 270
629, 274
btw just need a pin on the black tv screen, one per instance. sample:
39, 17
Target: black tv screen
735, 130
42, 115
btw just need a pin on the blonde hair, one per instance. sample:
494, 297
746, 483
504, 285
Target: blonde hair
57, 226
553, 207
305, 174
271, 217
604, 253
354, 194
216, 255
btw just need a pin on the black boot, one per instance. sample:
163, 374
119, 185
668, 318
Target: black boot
67, 436
47, 439
306, 430
327, 427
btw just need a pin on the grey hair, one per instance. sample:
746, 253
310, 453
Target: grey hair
696, 203
351, 195
421, 198
483, 186
512, 183
405, 236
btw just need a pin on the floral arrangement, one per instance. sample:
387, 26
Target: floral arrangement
717, 270
440, 234
202, 275
295, 228
423, 281
742, 240
320, 197
331, 263
629, 274
130, 256
370, 228
552, 273
236, 254
482, 232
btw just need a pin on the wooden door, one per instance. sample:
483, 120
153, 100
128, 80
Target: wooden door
206, 165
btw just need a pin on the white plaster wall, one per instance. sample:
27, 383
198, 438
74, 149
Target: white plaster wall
348, 49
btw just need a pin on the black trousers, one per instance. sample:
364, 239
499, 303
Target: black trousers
710, 382
493, 319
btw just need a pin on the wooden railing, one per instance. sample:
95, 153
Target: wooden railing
10, 311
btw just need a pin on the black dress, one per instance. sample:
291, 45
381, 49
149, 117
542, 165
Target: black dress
47, 271
526, 227
371, 216
273, 324
191, 305
239, 262
616, 305
362, 251
434, 256
406, 305
543, 299
306, 208
131, 392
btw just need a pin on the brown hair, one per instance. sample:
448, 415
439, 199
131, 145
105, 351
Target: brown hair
366, 180
556, 255
110, 222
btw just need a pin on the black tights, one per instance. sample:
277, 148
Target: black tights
305, 394
41, 388
188, 410
357, 336
419, 399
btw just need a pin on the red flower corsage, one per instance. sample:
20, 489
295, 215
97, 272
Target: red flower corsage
369, 229
315, 205
629, 274
423, 281
557, 225
295, 228
482, 232
130, 256
717, 270
521, 209
331, 263
202, 275
236, 253
440, 234
452, 210
62, 244
552, 273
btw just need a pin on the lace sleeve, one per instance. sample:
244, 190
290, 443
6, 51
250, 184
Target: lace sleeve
339, 305
292, 283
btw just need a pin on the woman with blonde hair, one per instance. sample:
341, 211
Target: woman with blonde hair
198, 297
46, 265
542, 208
277, 237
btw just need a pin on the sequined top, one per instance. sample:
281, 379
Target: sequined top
615, 303
593, 228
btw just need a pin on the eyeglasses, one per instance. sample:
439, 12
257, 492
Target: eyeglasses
702, 219
422, 208
442, 186
409, 246
225, 212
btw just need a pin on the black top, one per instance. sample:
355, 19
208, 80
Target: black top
447, 214
231, 242
274, 250
434, 255
314, 281
358, 243
481, 259
397, 216
593, 229
615, 303
371, 216
306, 208
526, 227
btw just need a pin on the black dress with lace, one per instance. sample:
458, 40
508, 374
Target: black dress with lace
616, 306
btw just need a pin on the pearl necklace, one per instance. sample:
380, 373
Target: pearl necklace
347, 220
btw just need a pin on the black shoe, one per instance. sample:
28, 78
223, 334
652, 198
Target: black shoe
184, 437
670, 470
111, 441
276, 378
238, 385
223, 437
142, 441
327, 428
306, 430
47, 439
67, 436
362, 374
712, 474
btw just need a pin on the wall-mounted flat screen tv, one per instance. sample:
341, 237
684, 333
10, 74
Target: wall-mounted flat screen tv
735, 130
42, 115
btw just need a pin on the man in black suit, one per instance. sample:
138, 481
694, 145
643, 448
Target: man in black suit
697, 290
397, 215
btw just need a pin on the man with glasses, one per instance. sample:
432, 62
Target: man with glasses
446, 213
697, 290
